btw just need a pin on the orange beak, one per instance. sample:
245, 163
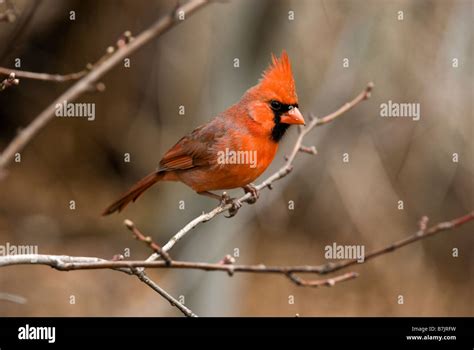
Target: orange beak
293, 116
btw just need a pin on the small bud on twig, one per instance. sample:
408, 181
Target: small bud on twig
227, 260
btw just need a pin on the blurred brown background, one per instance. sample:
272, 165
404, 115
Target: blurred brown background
192, 65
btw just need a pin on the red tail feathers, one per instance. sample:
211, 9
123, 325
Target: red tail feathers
133, 193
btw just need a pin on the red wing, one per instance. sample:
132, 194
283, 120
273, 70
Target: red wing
194, 149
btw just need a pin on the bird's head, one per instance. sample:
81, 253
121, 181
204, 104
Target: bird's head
273, 102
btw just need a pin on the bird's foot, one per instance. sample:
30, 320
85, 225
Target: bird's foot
250, 188
236, 204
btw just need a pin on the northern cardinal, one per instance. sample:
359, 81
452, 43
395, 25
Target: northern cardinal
252, 126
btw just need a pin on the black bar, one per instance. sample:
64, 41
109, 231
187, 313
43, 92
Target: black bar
115, 331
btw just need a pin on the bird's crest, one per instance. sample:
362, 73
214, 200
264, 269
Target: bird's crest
278, 80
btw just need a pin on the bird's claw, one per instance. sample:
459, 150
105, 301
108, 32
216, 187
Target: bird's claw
236, 204
225, 199
253, 191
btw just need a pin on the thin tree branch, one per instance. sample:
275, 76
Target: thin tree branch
61, 263
156, 29
349, 105
175, 303
328, 282
13, 298
58, 78
71, 263
422, 233
147, 240
310, 150
124, 39
68, 263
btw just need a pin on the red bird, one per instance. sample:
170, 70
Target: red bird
234, 148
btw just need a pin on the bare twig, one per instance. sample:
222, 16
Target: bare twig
61, 263
422, 233
281, 173
364, 95
91, 78
124, 40
58, 78
68, 263
147, 240
227, 260
328, 282
175, 303
13, 298
142, 276
308, 149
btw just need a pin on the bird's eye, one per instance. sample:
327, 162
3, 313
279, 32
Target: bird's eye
275, 105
